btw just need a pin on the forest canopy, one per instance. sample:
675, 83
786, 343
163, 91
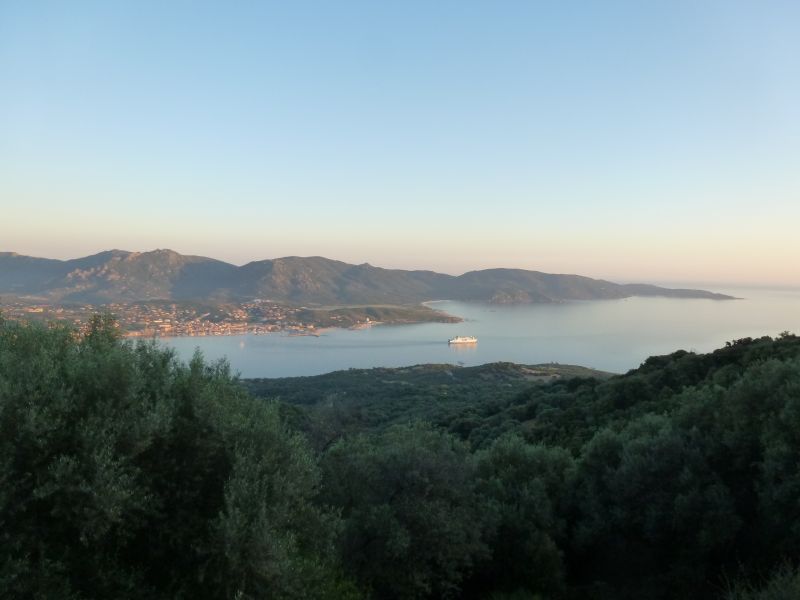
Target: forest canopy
125, 473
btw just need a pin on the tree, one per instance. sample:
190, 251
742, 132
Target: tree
126, 474
654, 517
412, 527
524, 488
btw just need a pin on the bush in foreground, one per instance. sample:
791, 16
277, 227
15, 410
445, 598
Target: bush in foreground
126, 474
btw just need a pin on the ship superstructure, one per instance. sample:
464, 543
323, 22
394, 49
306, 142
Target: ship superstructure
463, 339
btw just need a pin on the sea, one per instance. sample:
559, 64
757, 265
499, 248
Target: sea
610, 335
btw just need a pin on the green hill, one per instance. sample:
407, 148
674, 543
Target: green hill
378, 397
127, 474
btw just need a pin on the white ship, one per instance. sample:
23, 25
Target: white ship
463, 339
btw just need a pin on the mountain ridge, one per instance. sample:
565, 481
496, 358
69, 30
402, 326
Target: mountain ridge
163, 274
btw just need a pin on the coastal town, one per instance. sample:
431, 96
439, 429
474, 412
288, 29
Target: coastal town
167, 318
173, 319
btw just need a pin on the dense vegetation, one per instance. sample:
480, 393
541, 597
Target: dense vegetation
127, 474
368, 399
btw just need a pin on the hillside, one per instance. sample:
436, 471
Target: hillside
370, 398
120, 276
673, 480
128, 474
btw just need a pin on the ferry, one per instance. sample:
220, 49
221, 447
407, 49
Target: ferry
463, 339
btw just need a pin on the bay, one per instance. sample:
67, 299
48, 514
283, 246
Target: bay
612, 335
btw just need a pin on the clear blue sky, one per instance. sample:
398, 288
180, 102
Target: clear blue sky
629, 140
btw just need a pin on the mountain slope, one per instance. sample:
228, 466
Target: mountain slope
119, 276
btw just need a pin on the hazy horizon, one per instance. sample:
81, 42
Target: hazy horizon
675, 283
620, 141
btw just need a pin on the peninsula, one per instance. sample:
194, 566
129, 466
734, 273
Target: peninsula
162, 292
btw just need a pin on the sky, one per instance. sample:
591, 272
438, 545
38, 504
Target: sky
635, 141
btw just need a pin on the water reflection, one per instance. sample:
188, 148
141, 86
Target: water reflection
463, 348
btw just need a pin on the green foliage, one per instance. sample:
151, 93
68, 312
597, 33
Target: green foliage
784, 584
524, 489
653, 484
650, 506
124, 474
412, 526
455, 398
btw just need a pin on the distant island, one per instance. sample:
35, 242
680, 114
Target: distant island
163, 293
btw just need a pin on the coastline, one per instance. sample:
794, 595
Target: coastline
162, 319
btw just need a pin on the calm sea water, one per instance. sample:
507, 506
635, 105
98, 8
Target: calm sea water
612, 335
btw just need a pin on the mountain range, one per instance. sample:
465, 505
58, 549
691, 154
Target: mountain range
120, 276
